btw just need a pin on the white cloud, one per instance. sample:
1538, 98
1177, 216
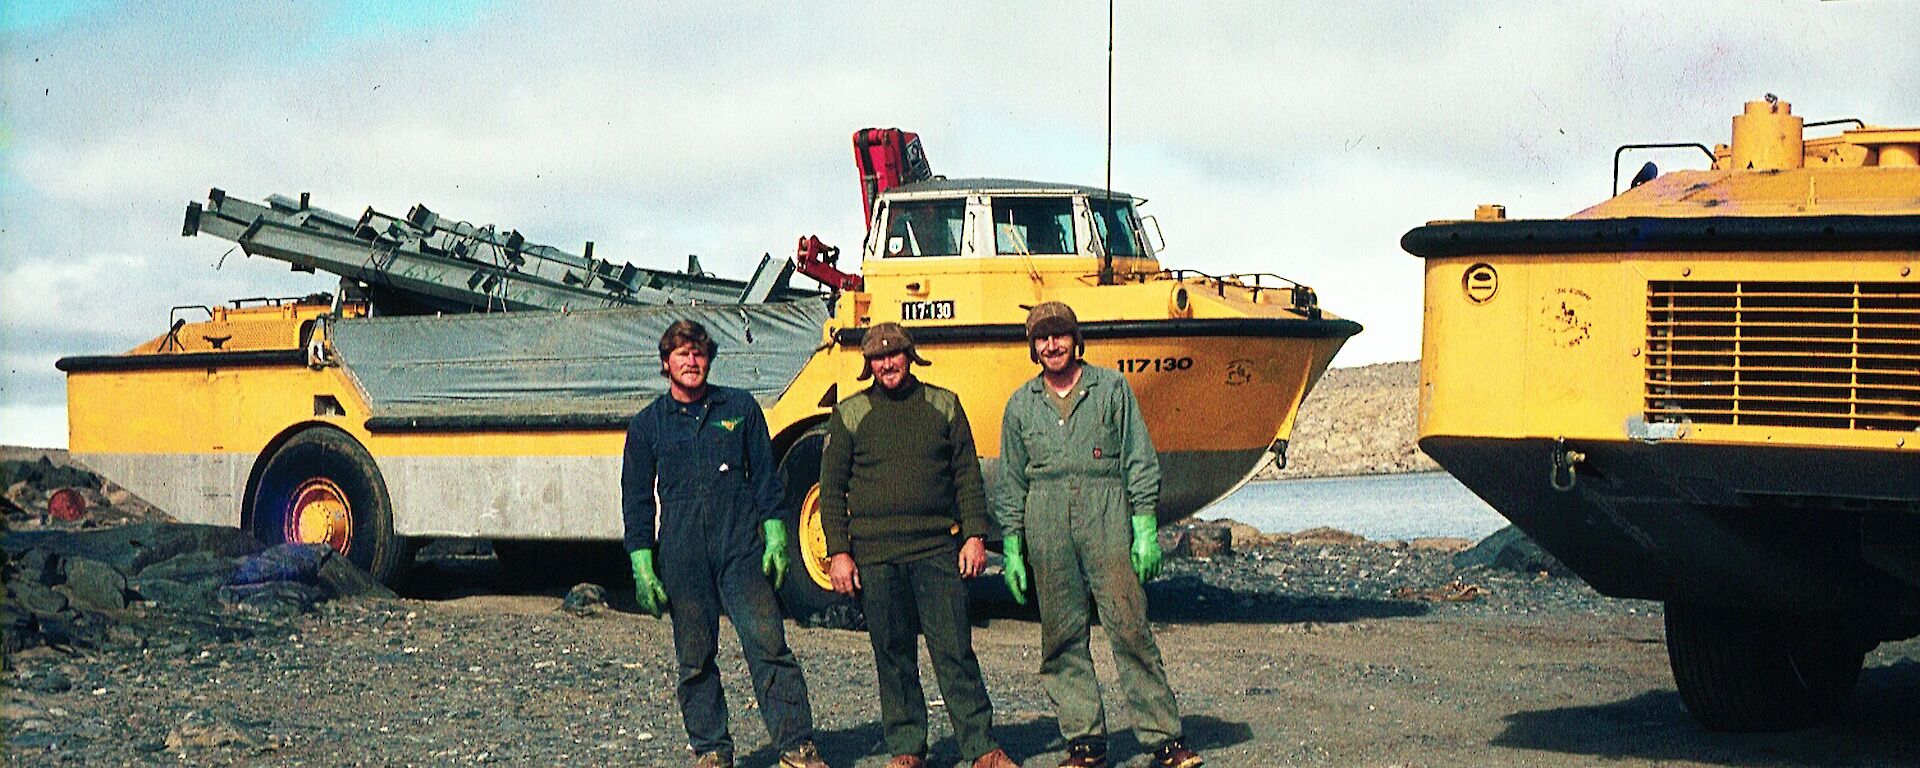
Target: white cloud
1299, 139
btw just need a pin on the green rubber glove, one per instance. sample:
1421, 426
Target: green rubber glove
1014, 567
775, 561
1146, 547
646, 586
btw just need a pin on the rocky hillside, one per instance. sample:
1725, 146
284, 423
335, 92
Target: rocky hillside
1358, 421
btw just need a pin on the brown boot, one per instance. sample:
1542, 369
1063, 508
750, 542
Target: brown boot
714, 760
1085, 754
803, 756
1174, 754
995, 759
907, 761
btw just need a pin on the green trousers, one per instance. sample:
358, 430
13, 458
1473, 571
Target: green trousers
1078, 540
903, 602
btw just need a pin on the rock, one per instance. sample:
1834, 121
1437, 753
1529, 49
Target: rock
585, 600
1202, 540
1455, 591
193, 567
1509, 549
37, 565
96, 584
1324, 536
46, 681
131, 548
213, 732
282, 562
274, 599
35, 597
339, 577
179, 595
16, 629
1441, 544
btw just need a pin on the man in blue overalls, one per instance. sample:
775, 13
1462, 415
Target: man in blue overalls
700, 458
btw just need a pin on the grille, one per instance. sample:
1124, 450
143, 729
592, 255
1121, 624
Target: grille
1826, 355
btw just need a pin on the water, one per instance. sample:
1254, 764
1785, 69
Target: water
1379, 507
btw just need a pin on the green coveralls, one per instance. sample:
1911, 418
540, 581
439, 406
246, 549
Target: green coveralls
1068, 487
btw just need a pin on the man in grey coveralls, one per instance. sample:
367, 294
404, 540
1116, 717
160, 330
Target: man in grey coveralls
1079, 481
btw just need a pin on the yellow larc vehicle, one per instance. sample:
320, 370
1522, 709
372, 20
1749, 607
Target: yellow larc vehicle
376, 417
1706, 391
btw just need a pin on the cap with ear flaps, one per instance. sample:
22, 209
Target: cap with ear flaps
885, 339
1053, 318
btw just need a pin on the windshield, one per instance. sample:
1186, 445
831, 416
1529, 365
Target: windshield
1040, 225
1114, 218
925, 227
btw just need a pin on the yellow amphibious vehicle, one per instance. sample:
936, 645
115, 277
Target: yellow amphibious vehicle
378, 417
1706, 391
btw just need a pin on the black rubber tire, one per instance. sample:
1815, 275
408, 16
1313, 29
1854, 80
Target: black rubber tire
323, 452
805, 602
1754, 672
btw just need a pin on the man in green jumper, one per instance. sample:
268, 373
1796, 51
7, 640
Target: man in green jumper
1079, 480
905, 516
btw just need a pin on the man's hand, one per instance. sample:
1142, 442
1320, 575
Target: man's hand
845, 575
1014, 568
775, 561
973, 557
646, 586
1146, 547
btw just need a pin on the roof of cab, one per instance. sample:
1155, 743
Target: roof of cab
942, 184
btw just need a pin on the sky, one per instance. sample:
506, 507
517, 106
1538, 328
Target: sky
1295, 138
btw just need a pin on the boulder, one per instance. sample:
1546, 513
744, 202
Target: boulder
131, 548
1509, 549
96, 585
585, 600
282, 562
35, 598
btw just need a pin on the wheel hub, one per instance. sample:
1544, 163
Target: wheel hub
320, 514
813, 539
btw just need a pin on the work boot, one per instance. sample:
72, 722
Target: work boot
907, 761
1086, 754
995, 759
1174, 754
714, 760
803, 756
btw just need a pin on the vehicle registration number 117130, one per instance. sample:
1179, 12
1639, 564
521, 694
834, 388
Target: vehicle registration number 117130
926, 310
1155, 364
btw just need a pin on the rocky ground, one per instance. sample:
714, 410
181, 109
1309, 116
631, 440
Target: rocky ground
1358, 421
1311, 649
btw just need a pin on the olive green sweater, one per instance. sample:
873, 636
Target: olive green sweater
898, 473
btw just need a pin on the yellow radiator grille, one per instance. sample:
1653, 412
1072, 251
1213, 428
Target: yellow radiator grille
1833, 355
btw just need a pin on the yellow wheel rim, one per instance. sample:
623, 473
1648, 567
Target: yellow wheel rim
813, 539
320, 514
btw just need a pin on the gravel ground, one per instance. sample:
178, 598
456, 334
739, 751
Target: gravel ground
1292, 654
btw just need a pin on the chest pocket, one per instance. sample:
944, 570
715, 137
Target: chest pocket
1105, 440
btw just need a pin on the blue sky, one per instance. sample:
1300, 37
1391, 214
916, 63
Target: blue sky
1291, 138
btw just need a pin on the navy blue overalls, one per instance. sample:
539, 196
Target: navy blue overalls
707, 468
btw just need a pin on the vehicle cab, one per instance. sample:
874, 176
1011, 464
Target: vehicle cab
974, 250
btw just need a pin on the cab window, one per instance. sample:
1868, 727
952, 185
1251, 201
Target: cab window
924, 227
1038, 226
1115, 220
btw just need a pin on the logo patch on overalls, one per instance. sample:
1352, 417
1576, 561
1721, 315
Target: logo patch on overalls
730, 424
1096, 452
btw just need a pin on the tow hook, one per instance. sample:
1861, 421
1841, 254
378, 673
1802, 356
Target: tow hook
1565, 464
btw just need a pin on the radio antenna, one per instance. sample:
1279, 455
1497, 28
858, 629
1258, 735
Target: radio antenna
1106, 253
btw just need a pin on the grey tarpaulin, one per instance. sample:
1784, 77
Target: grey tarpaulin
557, 363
